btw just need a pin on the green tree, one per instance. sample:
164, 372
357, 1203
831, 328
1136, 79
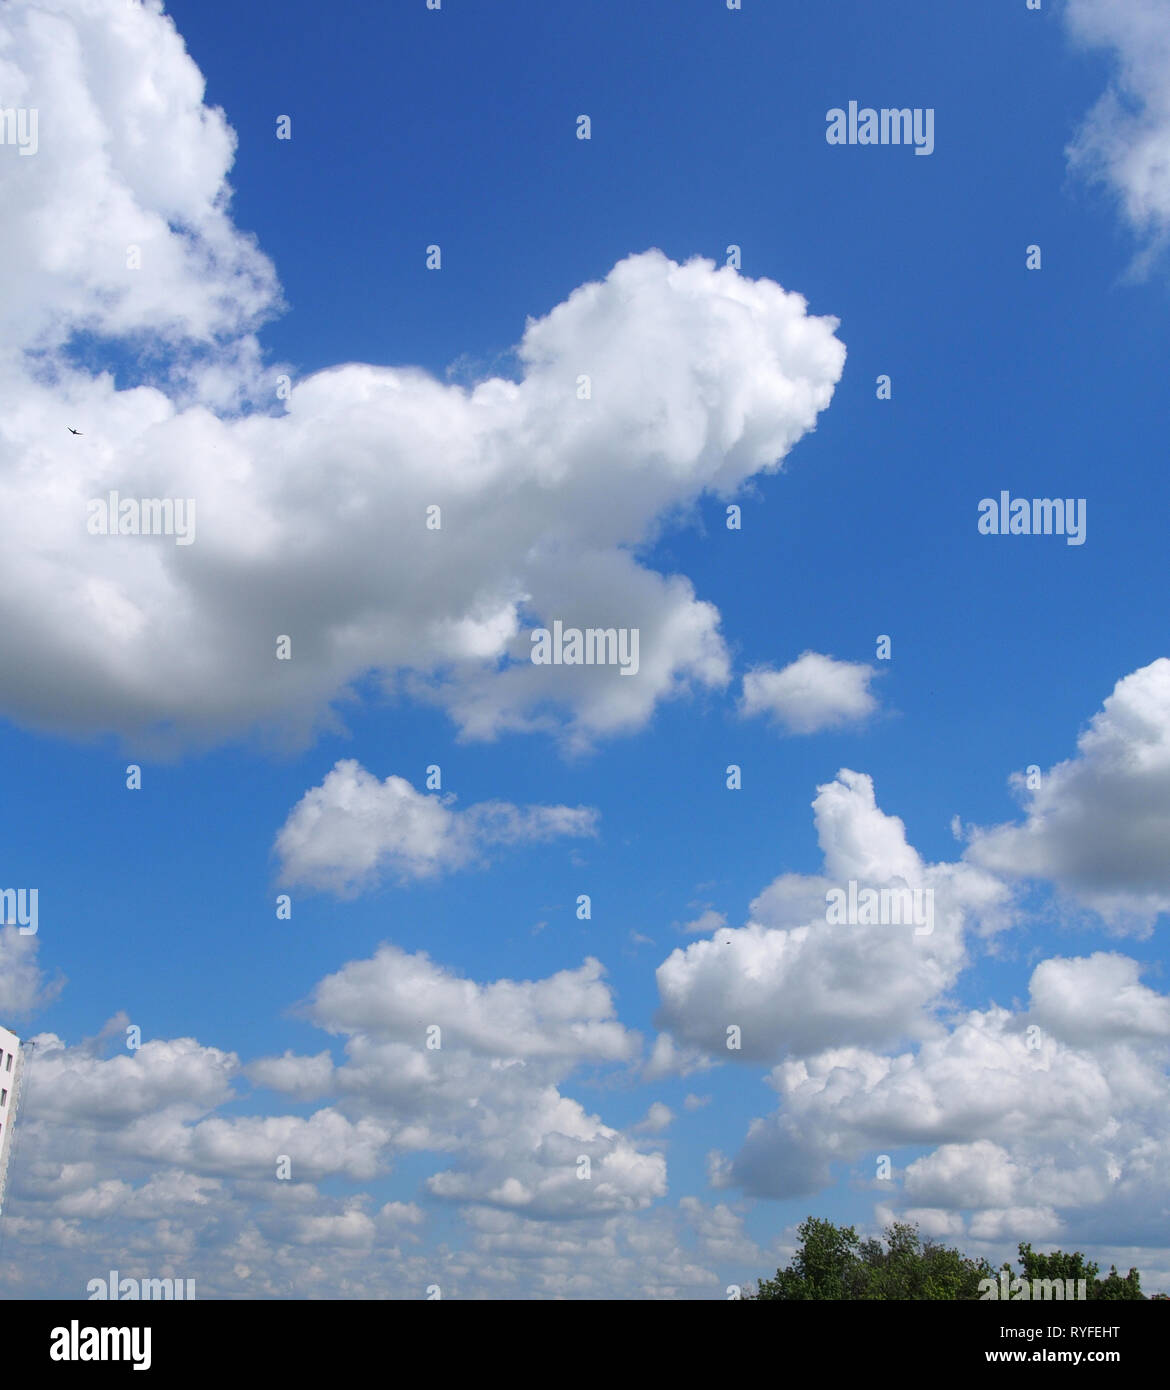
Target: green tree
831, 1262
1058, 1265
909, 1268
824, 1266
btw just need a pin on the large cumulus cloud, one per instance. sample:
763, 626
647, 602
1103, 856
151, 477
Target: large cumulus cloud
1098, 826
312, 523
794, 982
1037, 1128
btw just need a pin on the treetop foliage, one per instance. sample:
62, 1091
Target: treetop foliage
833, 1262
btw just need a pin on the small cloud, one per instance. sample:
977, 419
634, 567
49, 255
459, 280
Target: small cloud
347, 833
668, 1059
705, 924
656, 1119
815, 692
23, 986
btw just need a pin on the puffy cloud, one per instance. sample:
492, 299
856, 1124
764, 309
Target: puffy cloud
667, 1058
313, 524
351, 1227
707, 921
1036, 1136
659, 1254
127, 155
484, 1088
1099, 823
933, 1223
167, 1172
396, 995
74, 1084
538, 1167
655, 1120
402, 1214
326, 1143
980, 1174
346, 833
812, 693
980, 1080
1123, 142
1097, 998
1033, 1142
793, 981
720, 1233
1038, 1223
23, 987
306, 1078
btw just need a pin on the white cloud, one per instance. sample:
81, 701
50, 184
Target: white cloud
306, 1078
76, 1083
657, 1119
814, 692
1008, 1224
485, 1088
706, 922
791, 981
166, 1171
547, 1178
1099, 824
668, 1059
1065, 1141
350, 1227
933, 1223
660, 1254
979, 1174
1123, 142
1097, 998
398, 996
326, 1143
348, 832
312, 524
402, 1214
1052, 1131
23, 987
1037, 1141
127, 155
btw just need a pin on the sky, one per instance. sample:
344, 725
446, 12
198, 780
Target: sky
374, 958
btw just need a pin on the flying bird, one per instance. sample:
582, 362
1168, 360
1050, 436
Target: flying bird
72, 430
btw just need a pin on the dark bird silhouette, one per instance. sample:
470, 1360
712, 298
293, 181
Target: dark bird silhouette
72, 430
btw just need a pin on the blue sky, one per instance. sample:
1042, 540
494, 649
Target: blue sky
411, 127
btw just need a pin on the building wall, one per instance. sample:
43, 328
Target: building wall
11, 1060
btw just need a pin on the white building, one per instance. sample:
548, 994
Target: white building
11, 1060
